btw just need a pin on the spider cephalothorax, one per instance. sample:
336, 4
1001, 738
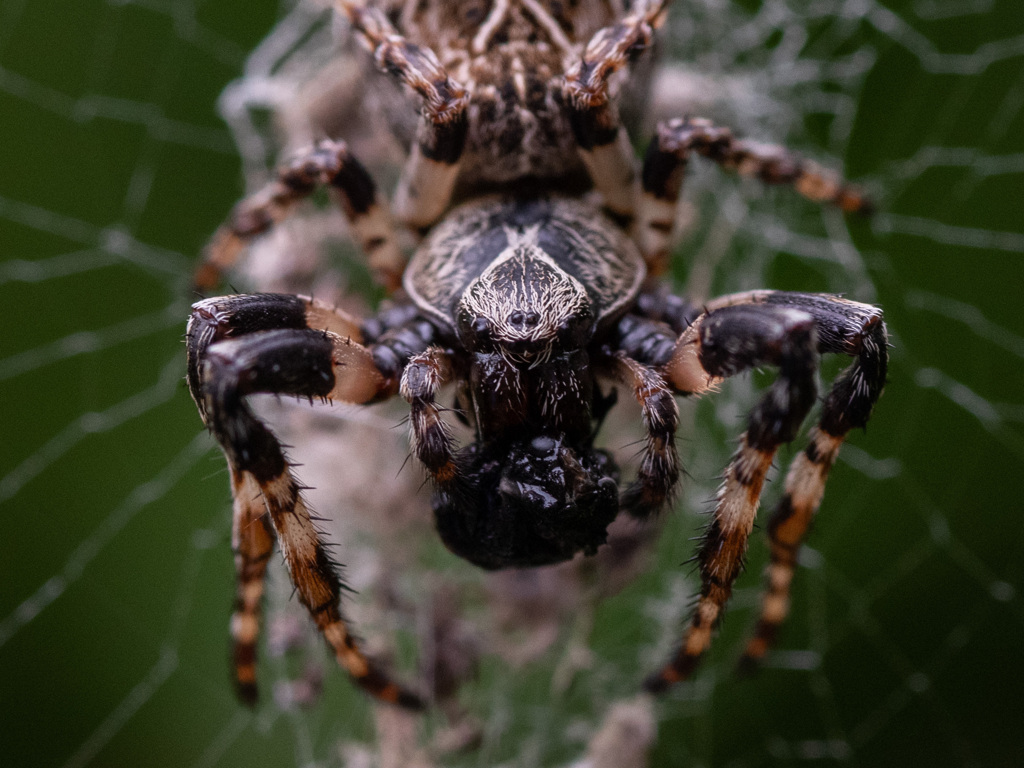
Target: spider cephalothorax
533, 289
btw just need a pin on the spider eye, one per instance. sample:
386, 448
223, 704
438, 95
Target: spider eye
520, 319
475, 331
574, 332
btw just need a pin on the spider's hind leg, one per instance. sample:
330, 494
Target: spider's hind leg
327, 163
242, 345
603, 143
428, 178
664, 169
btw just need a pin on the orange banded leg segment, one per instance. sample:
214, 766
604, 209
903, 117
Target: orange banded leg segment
603, 145
719, 344
252, 539
720, 558
306, 363
805, 485
856, 330
664, 169
330, 164
319, 589
428, 178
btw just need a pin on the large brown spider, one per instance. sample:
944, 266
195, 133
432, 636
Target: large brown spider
536, 279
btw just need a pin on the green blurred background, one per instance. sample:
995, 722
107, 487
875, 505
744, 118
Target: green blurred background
904, 646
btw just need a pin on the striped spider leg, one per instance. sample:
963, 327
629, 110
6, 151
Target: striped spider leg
428, 177
425, 188
280, 344
644, 342
603, 144
327, 163
664, 169
788, 331
658, 473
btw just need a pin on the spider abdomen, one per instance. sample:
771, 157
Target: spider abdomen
528, 503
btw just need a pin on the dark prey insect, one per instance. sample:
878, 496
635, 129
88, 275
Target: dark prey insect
536, 283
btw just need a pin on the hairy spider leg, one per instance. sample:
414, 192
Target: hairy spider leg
222, 317
431, 437
659, 466
664, 168
719, 344
752, 328
241, 345
848, 328
328, 163
252, 541
603, 144
428, 177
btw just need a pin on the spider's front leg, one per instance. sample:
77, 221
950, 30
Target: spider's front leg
786, 330
665, 166
242, 345
844, 327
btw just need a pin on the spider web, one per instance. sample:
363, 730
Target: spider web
907, 618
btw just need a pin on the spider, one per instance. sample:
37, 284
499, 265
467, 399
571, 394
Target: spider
536, 283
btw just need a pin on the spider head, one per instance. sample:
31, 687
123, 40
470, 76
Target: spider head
524, 305
531, 502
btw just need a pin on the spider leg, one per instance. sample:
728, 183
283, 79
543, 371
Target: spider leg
428, 179
431, 438
788, 330
227, 317
719, 344
659, 467
844, 327
665, 165
603, 145
237, 347
252, 540
328, 163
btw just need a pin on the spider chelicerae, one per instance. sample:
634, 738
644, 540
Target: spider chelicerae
537, 281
